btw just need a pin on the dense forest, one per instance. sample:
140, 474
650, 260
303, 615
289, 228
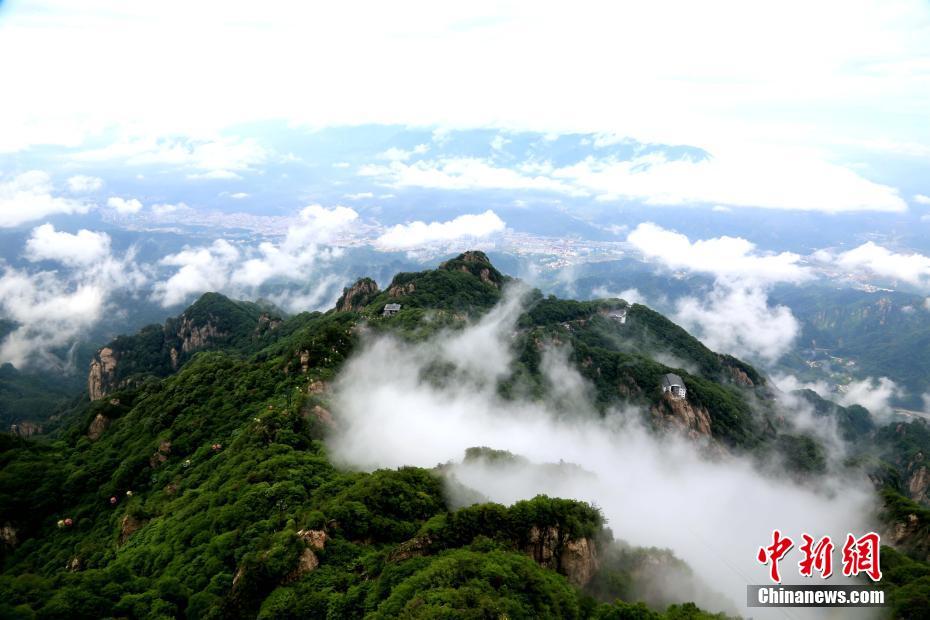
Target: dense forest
198, 483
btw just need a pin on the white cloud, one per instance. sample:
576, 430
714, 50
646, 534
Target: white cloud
779, 123
765, 178
80, 183
317, 224
729, 258
876, 395
398, 154
49, 314
199, 271
360, 196
295, 256
912, 268
167, 209
416, 234
28, 196
827, 87
213, 158
124, 206
54, 309
739, 321
499, 142
215, 175
239, 195
922, 199
630, 295
790, 383
734, 317
461, 173
760, 177
84, 248
243, 270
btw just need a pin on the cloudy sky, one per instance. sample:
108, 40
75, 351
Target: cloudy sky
754, 143
799, 106
830, 77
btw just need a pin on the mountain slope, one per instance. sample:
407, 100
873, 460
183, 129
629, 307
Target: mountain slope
22, 395
852, 333
204, 489
213, 321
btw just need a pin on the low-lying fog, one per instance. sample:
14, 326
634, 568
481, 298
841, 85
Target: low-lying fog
654, 490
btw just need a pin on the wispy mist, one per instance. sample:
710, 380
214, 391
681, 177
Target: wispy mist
393, 408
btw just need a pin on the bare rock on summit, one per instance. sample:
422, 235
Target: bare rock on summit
401, 290
358, 295
476, 263
194, 337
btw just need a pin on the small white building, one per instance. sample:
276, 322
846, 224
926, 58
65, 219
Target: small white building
673, 385
391, 309
617, 314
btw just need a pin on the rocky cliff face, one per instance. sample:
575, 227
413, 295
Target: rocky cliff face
918, 484
576, 559
267, 323
179, 338
315, 540
195, 337
909, 534
102, 376
128, 526
681, 415
97, 426
400, 290
413, 548
740, 377
358, 295
25, 429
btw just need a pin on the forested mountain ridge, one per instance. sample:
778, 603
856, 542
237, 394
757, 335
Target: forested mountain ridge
213, 321
856, 333
206, 489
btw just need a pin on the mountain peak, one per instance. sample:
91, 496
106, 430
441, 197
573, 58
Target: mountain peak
213, 321
476, 263
358, 295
